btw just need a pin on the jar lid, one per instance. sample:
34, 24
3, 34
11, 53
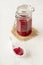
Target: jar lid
24, 10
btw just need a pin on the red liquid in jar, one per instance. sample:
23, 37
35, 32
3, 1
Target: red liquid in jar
24, 25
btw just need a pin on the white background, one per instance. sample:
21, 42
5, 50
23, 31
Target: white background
7, 16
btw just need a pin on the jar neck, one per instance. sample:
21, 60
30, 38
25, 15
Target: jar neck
24, 15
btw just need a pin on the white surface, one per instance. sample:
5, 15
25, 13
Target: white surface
7, 14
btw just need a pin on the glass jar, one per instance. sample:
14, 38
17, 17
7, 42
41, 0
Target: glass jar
24, 20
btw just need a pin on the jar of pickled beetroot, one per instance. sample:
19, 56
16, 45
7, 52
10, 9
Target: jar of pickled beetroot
24, 20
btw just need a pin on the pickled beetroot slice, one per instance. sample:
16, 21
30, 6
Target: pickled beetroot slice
18, 51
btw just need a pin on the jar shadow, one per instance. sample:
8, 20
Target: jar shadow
24, 38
